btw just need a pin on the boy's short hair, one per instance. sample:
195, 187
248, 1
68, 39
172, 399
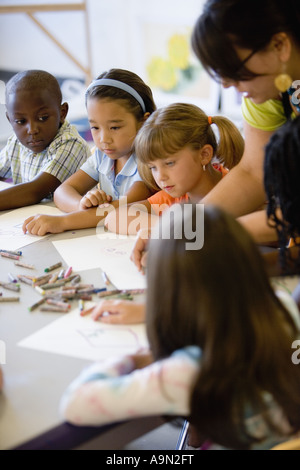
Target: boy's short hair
32, 79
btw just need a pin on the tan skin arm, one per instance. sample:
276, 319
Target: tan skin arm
42, 224
129, 219
256, 224
26, 194
67, 197
242, 192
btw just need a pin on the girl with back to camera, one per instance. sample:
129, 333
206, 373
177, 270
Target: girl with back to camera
118, 103
223, 361
178, 154
254, 46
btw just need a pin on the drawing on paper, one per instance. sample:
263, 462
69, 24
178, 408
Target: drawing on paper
110, 337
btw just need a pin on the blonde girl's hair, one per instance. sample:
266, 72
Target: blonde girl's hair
168, 130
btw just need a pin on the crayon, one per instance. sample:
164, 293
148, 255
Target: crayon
76, 279
87, 311
39, 290
53, 285
10, 286
68, 272
61, 274
24, 265
9, 299
41, 278
53, 308
53, 278
54, 266
25, 279
12, 252
12, 278
81, 305
57, 303
9, 255
37, 304
109, 292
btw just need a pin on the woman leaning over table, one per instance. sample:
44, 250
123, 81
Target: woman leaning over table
254, 46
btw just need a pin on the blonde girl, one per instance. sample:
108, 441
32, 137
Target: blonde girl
179, 156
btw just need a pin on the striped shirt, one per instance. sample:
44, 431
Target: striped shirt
65, 155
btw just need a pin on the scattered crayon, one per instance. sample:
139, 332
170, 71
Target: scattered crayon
87, 311
53, 308
9, 299
54, 266
36, 305
68, 272
25, 279
12, 252
57, 303
10, 286
9, 255
12, 278
39, 290
24, 265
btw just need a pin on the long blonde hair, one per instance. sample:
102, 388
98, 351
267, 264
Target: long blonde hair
168, 130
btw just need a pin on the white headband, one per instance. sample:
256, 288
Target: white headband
120, 85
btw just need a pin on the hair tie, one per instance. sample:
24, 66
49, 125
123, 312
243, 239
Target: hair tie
209, 120
120, 85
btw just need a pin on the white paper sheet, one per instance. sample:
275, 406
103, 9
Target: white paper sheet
107, 251
82, 337
11, 234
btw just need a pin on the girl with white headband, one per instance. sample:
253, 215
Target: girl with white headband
118, 103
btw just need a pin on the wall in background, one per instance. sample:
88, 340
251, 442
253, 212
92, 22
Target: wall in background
149, 38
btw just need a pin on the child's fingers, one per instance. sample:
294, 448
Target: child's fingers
138, 254
26, 222
110, 306
95, 198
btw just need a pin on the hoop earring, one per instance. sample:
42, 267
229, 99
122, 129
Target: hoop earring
283, 82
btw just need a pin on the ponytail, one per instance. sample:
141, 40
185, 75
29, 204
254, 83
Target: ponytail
231, 143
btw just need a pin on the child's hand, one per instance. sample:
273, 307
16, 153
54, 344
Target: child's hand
119, 311
42, 224
139, 252
94, 198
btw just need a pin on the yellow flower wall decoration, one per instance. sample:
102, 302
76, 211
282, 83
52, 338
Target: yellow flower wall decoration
175, 71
